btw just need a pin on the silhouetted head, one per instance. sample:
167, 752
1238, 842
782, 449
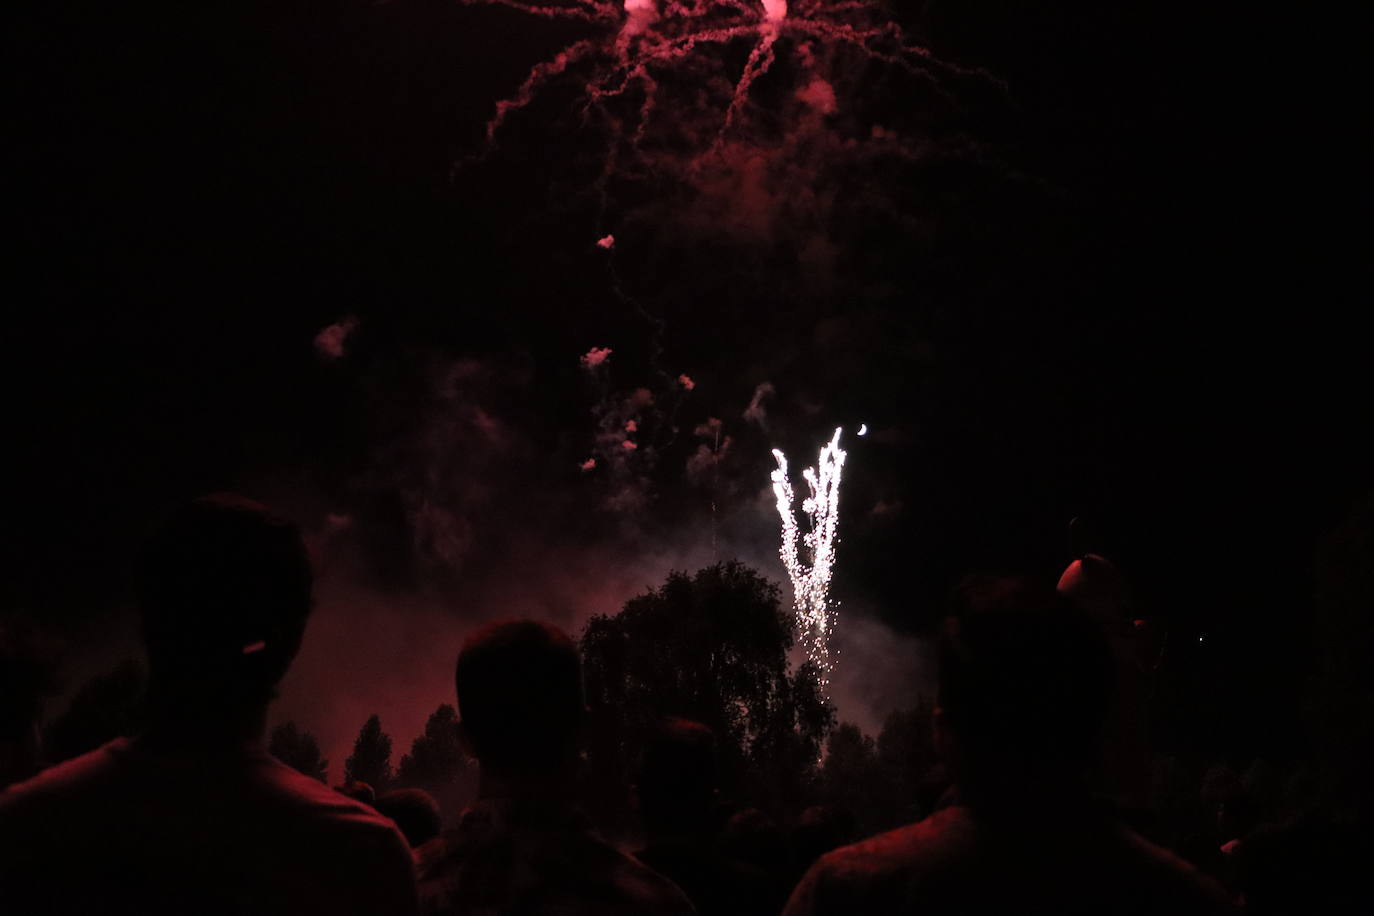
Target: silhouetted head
1025, 682
520, 696
225, 596
755, 838
1096, 585
415, 812
677, 783
358, 791
820, 829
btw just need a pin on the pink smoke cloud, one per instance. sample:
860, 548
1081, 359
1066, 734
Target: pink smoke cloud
884, 508
705, 460
709, 429
756, 412
686, 382
820, 95
596, 356
330, 342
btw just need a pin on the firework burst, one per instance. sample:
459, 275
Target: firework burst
641, 52
811, 581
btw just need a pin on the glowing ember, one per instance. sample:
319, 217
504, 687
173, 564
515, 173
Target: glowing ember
811, 583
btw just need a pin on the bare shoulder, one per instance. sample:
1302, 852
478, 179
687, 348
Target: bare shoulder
902, 848
880, 867
90, 772
291, 788
655, 892
1183, 884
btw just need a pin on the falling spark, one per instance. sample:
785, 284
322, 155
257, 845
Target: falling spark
863, 429
811, 583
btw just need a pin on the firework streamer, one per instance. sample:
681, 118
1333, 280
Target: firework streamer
641, 45
811, 580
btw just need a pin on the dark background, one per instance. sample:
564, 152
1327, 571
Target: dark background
1145, 311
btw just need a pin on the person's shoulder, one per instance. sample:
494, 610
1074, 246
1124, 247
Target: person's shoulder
312, 798
431, 857
647, 888
296, 788
876, 869
1185, 888
580, 865
901, 848
364, 850
60, 783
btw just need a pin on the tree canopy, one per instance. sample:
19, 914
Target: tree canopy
711, 647
436, 757
371, 759
299, 750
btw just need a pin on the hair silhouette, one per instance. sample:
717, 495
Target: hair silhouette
226, 589
1025, 683
519, 686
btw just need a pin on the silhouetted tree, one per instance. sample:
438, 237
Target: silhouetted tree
371, 759
849, 776
298, 750
906, 758
436, 762
849, 755
107, 706
710, 647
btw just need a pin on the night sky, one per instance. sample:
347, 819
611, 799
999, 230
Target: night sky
1119, 276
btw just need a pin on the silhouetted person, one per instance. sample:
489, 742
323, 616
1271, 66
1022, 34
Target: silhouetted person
193, 815
26, 679
1096, 586
677, 798
820, 829
524, 847
415, 812
753, 838
1024, 686
358, 791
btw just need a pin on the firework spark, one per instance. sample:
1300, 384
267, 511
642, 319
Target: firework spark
811, 582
